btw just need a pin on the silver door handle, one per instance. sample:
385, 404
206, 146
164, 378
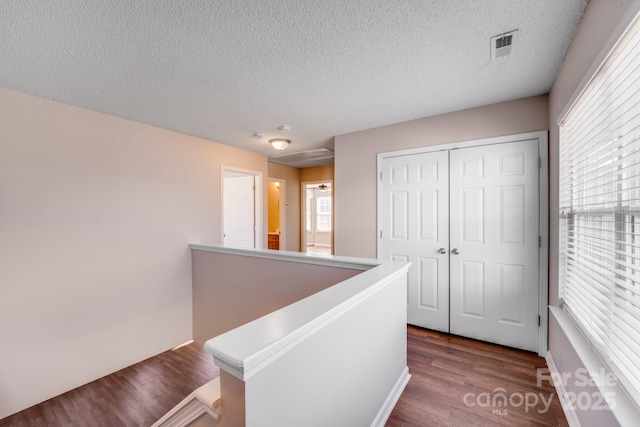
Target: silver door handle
455, 251
442, 251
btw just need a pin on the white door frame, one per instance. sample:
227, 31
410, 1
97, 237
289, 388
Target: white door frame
258, 237
303, 212
283, 210
543, 176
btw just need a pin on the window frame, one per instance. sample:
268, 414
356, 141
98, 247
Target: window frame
593, 235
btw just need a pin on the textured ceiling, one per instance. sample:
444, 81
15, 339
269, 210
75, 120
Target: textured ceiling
223, 70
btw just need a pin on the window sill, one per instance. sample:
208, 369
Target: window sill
625, 410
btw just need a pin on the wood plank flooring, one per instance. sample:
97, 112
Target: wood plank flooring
455, 380
444, 369
138, 395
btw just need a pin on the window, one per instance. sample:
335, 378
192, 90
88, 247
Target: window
323, 213
600, 211
309, 198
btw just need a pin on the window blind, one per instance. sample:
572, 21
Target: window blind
600, 211
324, 213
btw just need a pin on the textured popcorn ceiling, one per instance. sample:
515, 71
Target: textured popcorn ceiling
223, 70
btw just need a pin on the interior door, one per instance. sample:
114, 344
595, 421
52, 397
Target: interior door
415, 224
494, 243
239, 211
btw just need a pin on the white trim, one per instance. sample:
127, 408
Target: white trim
390, 402
615, 37
543, 210
463, 144
302, 257
204, 400
572, 418
625, 410
543, 253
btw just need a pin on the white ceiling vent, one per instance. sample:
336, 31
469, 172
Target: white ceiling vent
503, 45
306, 159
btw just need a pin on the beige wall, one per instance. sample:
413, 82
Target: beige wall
291, 176
96, 214
317, 173
355, 166
227, 294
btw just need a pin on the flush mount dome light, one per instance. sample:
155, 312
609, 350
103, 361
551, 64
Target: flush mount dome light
279, 143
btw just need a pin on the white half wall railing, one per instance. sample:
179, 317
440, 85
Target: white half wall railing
327, 347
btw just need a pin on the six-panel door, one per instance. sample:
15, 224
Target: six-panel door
467, 220
494, 230
415, 198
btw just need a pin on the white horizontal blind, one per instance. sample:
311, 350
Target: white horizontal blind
600, 211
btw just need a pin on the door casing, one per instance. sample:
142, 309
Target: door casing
543, 176
303, 211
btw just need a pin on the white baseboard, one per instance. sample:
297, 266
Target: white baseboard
392, 399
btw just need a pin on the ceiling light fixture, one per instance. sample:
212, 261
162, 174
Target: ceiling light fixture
279, 143
323, 187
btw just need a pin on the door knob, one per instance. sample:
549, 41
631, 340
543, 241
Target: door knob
442, 251
455, 251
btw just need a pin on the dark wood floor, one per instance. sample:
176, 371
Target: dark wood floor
454, 382
135, 396
444, 369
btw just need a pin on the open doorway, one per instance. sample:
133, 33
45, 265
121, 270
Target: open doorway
276, 199
241, 208
317, 215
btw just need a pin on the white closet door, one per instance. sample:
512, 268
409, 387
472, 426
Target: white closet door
494, 230
415, 224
